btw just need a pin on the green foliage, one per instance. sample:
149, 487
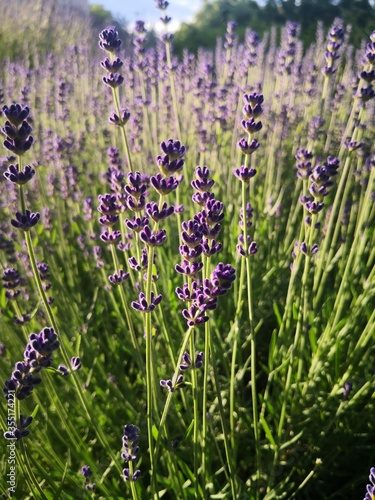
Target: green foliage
210, 22
47, 28
50, 27
284, 340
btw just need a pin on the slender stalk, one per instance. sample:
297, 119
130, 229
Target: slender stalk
149, 378
196, 409
133, 487
24, 461
170, 394
254, 395
129, 321
123, 131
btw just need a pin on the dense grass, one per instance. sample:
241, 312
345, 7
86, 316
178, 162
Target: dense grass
269, 414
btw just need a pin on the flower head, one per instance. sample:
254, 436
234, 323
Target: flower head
27, 221
109, 40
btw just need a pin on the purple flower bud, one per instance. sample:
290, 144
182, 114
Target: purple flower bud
137, 223
194, 316
119, 277
136, 204
16, 114
152, 238
199, 360
14, 175
253, 105
246, 148
210, 247
313, 207
109, 41
164, 186
161, 4
179, 383
223, 275
143, 306
168, 166
185, 294
121, 120
189, 269
111, 238
108, 220
244, 173
173, 149
26, 221
190, 253
113, 80
364, 93
17, 146
348, 386
75, 363
63, 370
152, 210
108, 204
186, 361
111, 66
86, 471
251, 126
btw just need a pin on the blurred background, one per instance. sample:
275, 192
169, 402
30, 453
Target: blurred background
45, 26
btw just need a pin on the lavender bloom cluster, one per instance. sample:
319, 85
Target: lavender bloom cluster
251, 110
21, 431
288, 50
367, 75
110, 42
130, 448
165, 19
37, 355
186, 364
86, 472
199, 237
335, 39
12, 279
18, 140
169, 164
321, 181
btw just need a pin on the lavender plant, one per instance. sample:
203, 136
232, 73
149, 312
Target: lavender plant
230, 318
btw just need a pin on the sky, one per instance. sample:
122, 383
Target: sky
145, 10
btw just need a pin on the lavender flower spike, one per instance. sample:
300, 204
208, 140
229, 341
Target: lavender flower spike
130, 440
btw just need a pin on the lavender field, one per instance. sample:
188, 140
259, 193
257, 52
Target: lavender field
187, 259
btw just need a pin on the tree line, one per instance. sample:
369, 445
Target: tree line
210, 22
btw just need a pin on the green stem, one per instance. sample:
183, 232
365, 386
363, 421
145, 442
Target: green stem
196, 409
254, 395
149, 374
128, 315
23, 459
170, 394
123, 131
133, 488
